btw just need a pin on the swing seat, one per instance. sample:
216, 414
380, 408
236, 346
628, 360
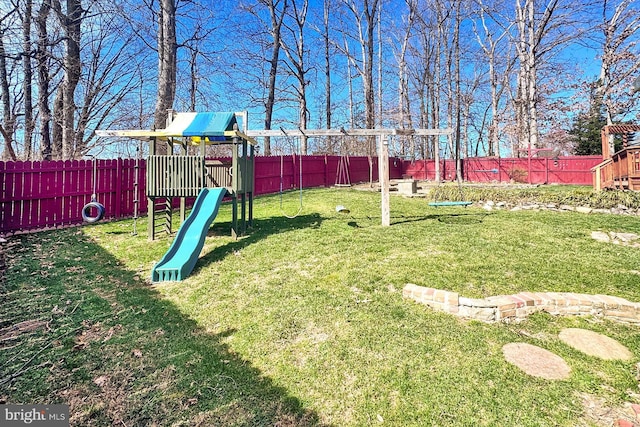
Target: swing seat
449, 203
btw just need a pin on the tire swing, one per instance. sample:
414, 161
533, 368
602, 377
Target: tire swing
93, 205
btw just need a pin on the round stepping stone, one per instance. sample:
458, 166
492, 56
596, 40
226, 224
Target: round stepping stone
595, 344
536, 361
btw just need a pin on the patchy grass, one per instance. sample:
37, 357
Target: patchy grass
302, 322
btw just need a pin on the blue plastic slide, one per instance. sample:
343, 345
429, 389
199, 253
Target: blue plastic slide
183, 254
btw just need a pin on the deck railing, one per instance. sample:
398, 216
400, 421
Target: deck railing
621, 171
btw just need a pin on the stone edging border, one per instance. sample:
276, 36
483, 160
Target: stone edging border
620, 209
510, 308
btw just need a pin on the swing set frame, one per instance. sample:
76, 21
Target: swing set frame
383, 136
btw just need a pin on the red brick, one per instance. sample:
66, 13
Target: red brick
572, 299
528, 301
506, 314
530, 296
598, 298
452, 298
555, 297
609, 302
517, 300
453, 309
543, 298
584, 299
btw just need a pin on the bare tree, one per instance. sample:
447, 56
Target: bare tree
8, 118
327, 61
539, 33
28, 79
619, 60
365, 15
71, 21
42, 65
8, 96
404, 99
277, 12
167, 61
296, 52
491, 46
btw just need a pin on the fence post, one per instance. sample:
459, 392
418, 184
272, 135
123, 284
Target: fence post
326, 172
118, 196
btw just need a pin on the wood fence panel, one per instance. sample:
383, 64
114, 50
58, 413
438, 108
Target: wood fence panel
9, 198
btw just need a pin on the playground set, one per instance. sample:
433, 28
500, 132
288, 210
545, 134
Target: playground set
183, 176
171, 175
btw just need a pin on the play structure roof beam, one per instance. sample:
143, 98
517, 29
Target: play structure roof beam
210, 126
348, 132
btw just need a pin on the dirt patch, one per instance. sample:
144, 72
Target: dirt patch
598, 412
14, 331
595, 344
95, 332
113, 396
536, 361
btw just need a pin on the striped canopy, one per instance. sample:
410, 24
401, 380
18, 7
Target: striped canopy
208, 126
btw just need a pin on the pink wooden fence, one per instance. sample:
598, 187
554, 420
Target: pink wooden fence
43, 195
563, 170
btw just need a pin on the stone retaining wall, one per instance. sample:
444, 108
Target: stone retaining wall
508, 308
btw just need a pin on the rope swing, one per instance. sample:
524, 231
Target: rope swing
93, 204
282, 183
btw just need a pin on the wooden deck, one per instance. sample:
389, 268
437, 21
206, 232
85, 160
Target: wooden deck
621, 171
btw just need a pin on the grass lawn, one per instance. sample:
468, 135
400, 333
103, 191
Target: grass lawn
302, 322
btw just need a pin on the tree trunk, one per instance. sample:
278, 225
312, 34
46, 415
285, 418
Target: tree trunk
71, 20
167, 65
327, 72
56, 131
458, 90
490, 49
43, 80
8, 119
404, 103
297, 64
619, 60
366, 31
28, 80
276, 27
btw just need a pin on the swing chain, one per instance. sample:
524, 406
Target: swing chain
282, 180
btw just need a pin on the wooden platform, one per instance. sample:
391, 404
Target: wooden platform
621, 171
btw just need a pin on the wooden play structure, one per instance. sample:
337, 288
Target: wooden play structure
620, 169
172, 176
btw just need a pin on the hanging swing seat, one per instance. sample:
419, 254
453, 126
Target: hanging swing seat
450, 203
